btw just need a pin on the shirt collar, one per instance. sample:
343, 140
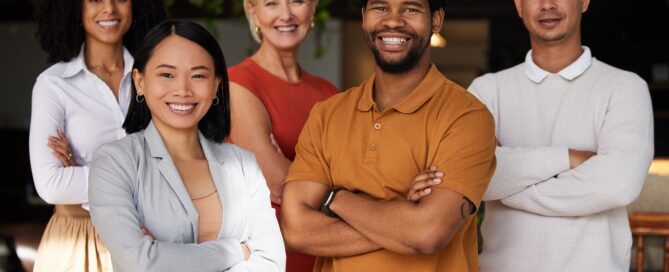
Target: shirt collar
427, 87
78, 64
574, 70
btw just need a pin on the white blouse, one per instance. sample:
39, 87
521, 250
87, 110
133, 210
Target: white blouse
69, 97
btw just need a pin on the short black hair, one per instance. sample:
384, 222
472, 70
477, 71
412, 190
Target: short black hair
215, 125
434, 4
61, 33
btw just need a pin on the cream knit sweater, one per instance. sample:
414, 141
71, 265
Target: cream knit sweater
540, 215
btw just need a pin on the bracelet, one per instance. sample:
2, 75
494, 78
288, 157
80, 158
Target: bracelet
327, 200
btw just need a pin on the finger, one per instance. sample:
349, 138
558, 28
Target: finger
420, 194
64, 160
422, 185
428, 174
61, 149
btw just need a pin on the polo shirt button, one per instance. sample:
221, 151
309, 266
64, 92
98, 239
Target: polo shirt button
372, 147
377, 126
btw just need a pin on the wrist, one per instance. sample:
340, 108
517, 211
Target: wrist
327, 200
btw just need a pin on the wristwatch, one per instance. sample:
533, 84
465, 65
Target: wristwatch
325, 206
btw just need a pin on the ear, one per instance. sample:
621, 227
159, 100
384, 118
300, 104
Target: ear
519, 8
250, 11
138, 78
437, 20
584, 5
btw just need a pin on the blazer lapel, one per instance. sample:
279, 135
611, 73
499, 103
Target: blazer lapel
170, 174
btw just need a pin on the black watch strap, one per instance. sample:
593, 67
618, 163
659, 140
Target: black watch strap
325, 206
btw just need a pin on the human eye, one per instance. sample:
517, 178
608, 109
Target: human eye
199, 76
270, 3
166, 75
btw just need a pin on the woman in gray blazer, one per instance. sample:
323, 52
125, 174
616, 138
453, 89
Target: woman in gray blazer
172, 196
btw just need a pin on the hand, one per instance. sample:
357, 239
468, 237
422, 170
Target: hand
422, 183
147, 232
61, 148
577, 157
247, 251
275, 144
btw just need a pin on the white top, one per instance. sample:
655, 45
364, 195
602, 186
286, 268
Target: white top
134, 182
69, 97
540, 215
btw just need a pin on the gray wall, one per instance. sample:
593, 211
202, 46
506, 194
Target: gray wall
23, 61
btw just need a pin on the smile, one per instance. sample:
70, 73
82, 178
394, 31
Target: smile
290, 28
394, 40
108, 23
181, 107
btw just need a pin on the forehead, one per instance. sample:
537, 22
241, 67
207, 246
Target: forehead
178, 50
398, 2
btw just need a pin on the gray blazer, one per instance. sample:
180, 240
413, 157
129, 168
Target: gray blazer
133, 182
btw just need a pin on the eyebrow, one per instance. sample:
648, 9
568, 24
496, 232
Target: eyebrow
201, 67
405, 3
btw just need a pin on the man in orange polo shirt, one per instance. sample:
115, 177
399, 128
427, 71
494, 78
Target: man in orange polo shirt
348, 195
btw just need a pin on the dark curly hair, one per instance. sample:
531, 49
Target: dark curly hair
434, 4
61, 33
215, 125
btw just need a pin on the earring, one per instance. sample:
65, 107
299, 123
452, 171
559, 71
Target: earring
313, 24
137, 97
257, 30
216, 101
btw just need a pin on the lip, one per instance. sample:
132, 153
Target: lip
291, 28
182, 108
549, 22
109, 24
393, 42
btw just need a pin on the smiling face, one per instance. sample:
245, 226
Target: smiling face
552, 21
398, 32
106, 21
178, 83
282, 23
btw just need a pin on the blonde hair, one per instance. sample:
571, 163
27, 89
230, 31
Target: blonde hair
252, 24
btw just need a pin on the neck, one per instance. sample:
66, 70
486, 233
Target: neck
101, 55
182, 144
282, 64
390, 89
553, 57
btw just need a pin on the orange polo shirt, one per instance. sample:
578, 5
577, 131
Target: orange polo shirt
347, 142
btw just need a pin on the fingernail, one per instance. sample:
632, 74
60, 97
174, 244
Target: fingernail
436, 181
439, 174
427, 190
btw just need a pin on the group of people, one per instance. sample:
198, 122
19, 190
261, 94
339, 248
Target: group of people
158, 157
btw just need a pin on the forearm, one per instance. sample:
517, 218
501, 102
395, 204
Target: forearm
320, 235
400, 226
518, 168
56, 184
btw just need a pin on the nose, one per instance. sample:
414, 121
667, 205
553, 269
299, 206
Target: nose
548, 4
285, 13
394, 19
182, 87
109, 6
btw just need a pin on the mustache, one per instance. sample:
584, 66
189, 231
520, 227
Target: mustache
374, 34
550, 14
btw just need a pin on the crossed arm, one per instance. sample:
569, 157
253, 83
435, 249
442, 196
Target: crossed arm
422, 224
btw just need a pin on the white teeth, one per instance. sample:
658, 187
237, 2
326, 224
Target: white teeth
108, 23
181, 107
394, 40
286, 28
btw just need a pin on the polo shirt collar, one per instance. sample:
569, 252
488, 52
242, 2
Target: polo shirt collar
427, 87
574, 70
78, 64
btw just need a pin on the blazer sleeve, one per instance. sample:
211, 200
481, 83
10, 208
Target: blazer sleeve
116, 218
265, 241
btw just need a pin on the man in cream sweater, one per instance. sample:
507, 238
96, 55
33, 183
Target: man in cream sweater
575, 140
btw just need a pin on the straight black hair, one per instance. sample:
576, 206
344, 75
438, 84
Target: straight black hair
215, 125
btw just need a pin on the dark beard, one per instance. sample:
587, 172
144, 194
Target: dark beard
403, 65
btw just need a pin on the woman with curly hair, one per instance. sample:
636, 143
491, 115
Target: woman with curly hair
78, 104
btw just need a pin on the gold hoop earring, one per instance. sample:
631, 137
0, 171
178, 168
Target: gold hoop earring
313, 24
257, 30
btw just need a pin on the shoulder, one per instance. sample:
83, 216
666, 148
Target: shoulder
615, 76
491, 80
321, 83
123, 151
54, 73
240, 72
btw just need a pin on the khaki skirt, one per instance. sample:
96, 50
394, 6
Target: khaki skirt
70, 243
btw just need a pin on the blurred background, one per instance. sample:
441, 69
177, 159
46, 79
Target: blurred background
480, 36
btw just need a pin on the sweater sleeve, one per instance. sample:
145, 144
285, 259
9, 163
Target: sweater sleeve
517, 168
55, 183
614, 177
